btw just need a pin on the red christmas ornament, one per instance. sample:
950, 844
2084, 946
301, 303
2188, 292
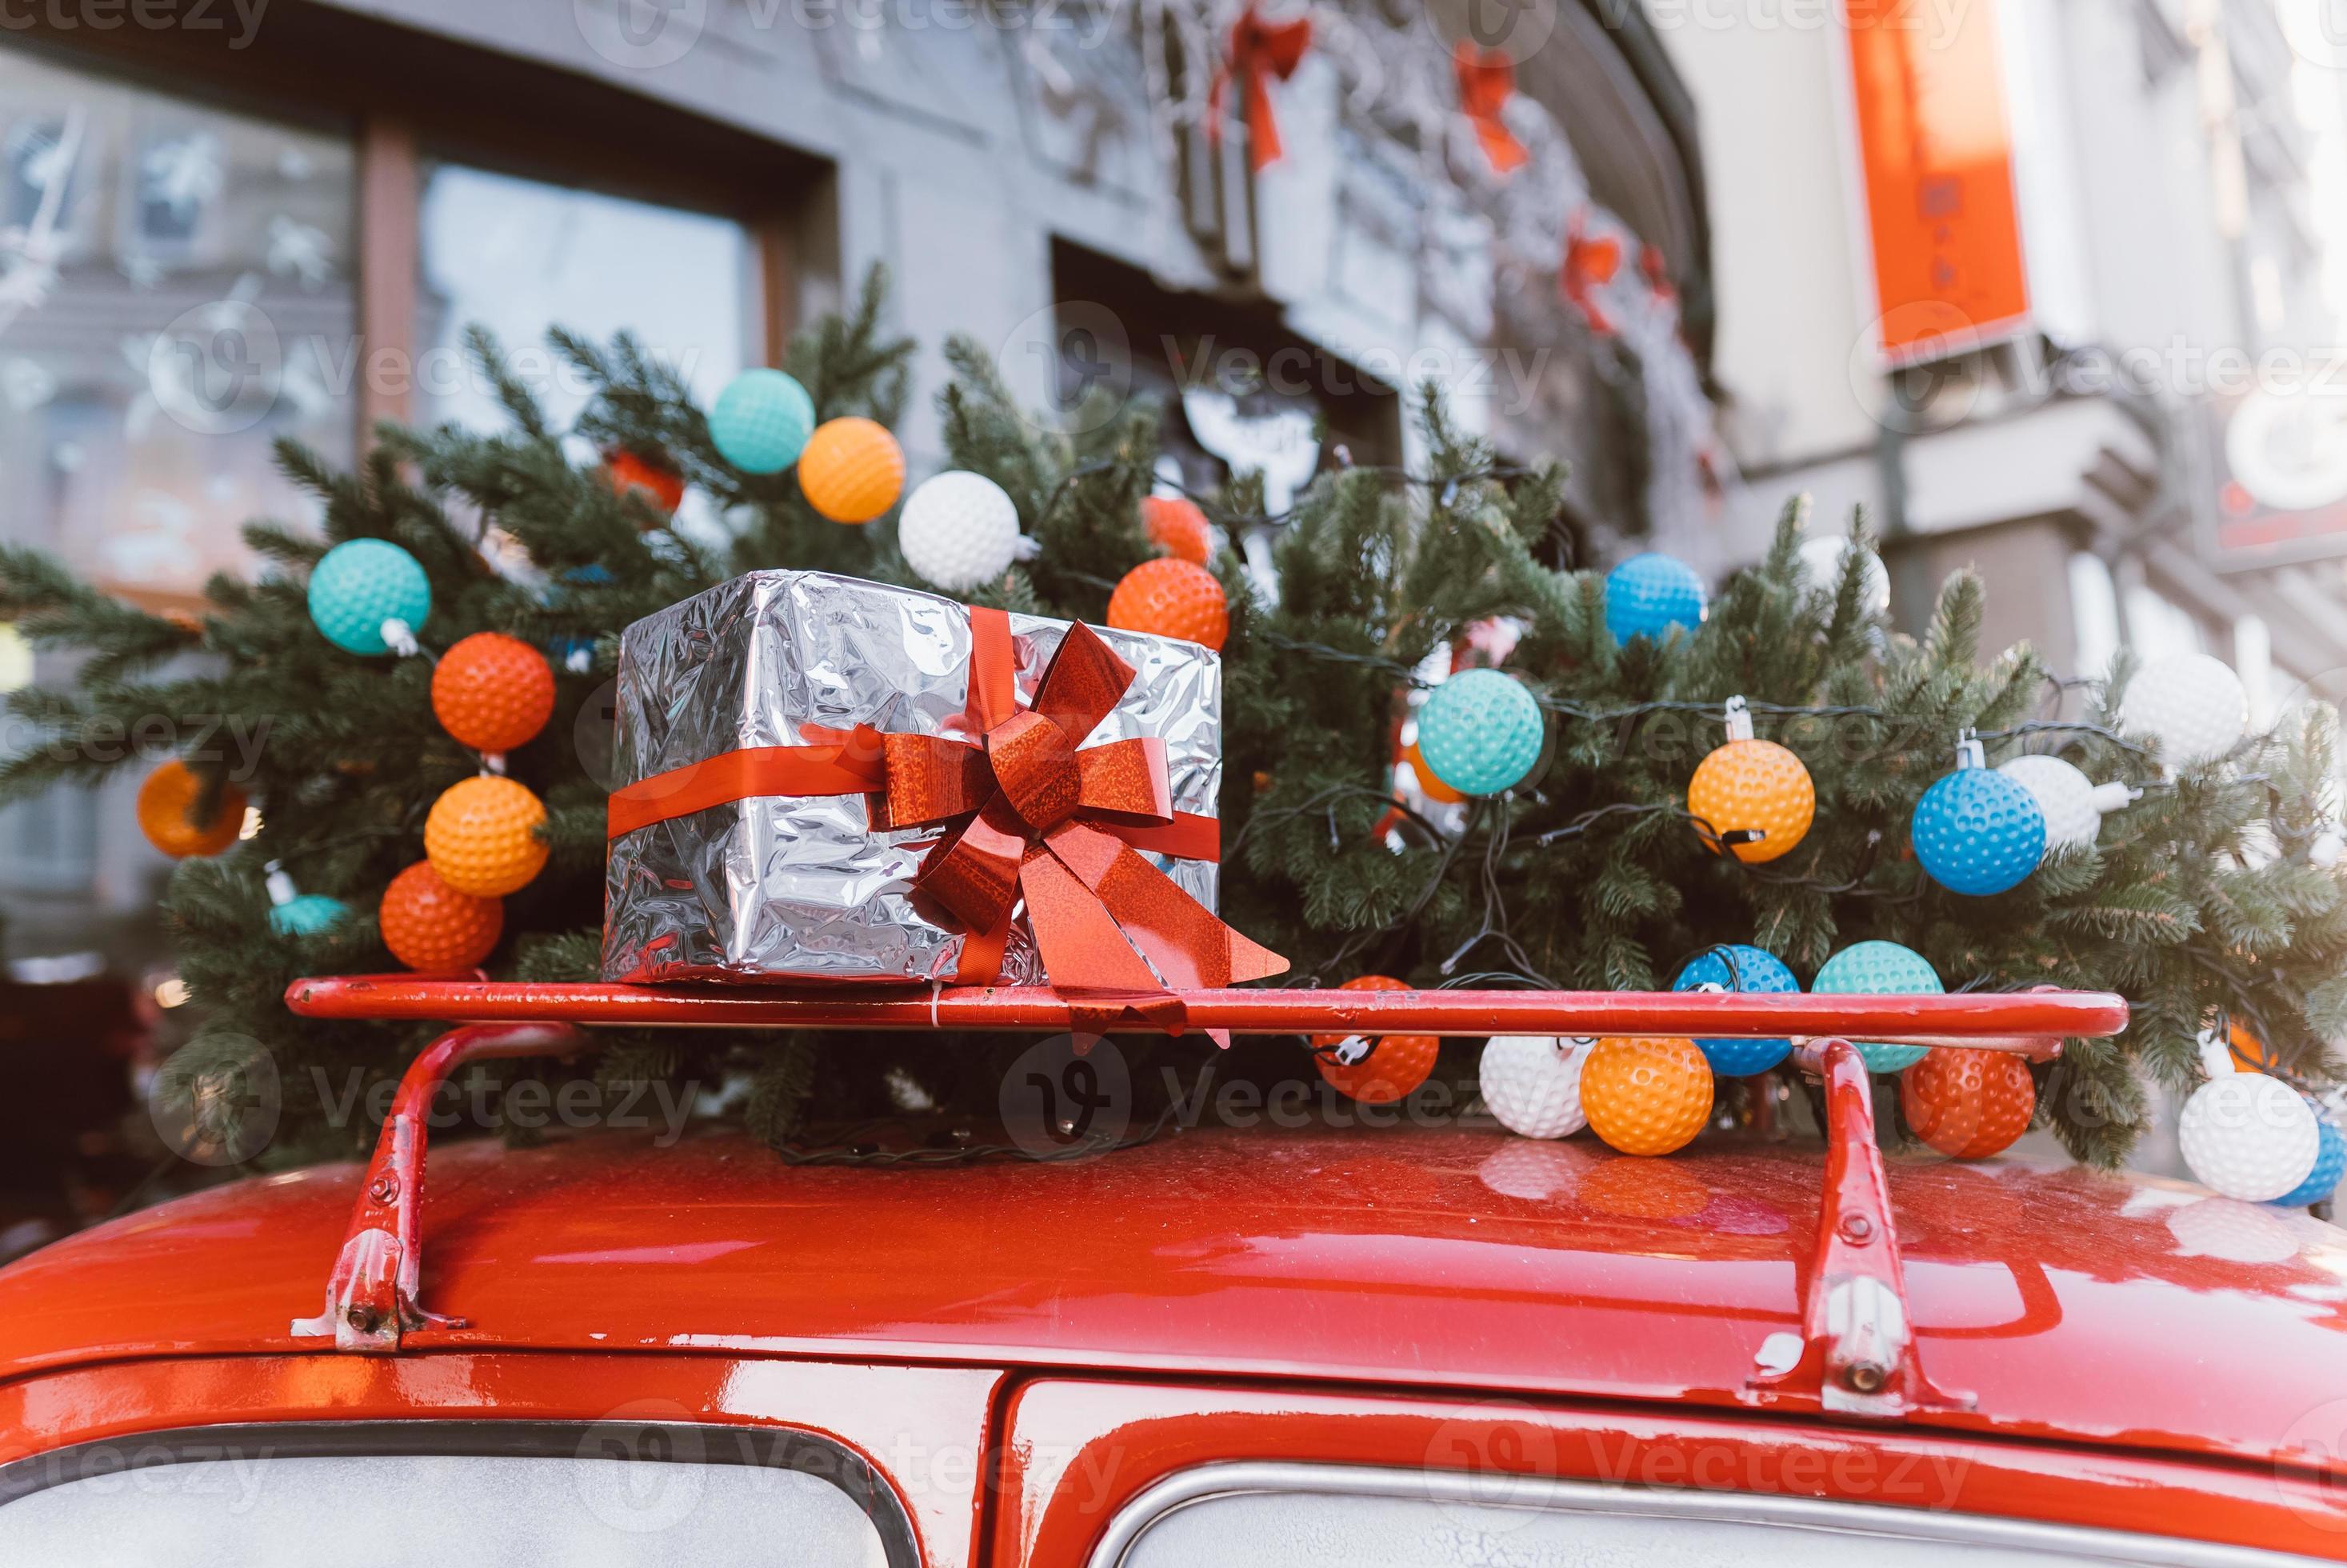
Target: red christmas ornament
662, 487
428, 925
1968, 1104
493, 693
1171, 598
1178, 528
1396, 1064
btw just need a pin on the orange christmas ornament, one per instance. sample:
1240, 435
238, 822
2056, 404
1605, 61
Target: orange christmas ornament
1646, 1096
1178, 528
1171, 598
1968, 1104
851, 470
1391, 1068
1755, 794
2250, 1052
493, 693
1431, 787
663, 487
428, 925
165, 802
482, 836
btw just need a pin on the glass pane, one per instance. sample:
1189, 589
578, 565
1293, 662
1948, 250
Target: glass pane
519, 257
175, 293
440, 1512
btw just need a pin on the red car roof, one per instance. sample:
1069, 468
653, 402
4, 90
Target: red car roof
2074, 1304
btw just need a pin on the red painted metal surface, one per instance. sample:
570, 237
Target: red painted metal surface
373, 1295
2008, 1021
924, 1428
1079, 1451
2077, 1307
1855, 1354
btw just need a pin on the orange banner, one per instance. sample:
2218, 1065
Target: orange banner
1936, 156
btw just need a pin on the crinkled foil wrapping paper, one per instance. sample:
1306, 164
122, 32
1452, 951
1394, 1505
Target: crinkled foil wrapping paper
796, 889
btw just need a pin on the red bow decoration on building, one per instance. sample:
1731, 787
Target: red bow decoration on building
1025, 814
1487, 80
1259, 51
1589, 265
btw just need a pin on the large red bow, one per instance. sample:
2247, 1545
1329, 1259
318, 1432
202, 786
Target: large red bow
1259, 51
1487, 80
1025, 814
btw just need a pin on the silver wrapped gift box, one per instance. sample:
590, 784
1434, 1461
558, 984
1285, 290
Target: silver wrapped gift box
802, 887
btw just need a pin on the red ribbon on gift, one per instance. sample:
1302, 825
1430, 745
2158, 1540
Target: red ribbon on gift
1259, 51
1487, 80
1025, 814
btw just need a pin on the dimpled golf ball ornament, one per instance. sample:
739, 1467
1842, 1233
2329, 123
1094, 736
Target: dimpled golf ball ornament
1968, 1104
1531, 1082
2193, 706
1754, 972
1480, 732
1879, 968
958, 530
1170, 597
2330, 1166
852, 470
482, 836
1375, 1071
1646, 1096
761, 421
307, 915
1649, 594
1754, 797
2249, 1136
1977, 832
2072, 804
493, 693
166, 801
361, 586
1177, 527
429, 926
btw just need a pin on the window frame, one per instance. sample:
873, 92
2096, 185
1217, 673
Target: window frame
780, 1446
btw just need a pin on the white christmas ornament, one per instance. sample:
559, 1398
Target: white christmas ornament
1531, 1084
2245, 1135
2193, 705
958, 530
2328, 846
2074, 804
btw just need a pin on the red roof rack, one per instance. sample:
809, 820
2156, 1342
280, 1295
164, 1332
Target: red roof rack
1855, 1355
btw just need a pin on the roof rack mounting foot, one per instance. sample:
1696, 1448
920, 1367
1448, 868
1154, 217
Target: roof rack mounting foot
371, 1297
1855, 1355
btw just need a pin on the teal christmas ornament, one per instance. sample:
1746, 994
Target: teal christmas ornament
1648, 594
307, 915
1879, 968
762, 421
1754, 972
369, 595
1480, 732
1975, 830
2330, 1164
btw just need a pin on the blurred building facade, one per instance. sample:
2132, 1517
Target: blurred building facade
2114, 386
216, 237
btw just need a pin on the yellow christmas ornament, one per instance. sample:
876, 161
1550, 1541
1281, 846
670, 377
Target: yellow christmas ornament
851, 470
1646, 1096
1752, 798
482, 836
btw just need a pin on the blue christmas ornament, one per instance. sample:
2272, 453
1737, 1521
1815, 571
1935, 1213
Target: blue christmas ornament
762, 421
1879, 968
1480, 732
575, 655
1648, 594
361, 584
307, 915
1754, 972
1978, 831
2330, 1164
